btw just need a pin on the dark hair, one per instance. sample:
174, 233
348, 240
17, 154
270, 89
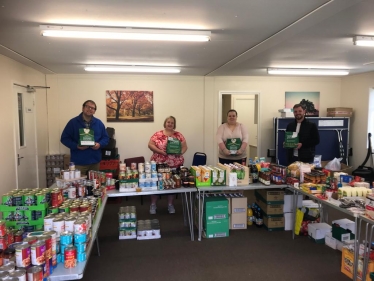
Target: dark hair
299, 105
170, 117
91, 101
232, 110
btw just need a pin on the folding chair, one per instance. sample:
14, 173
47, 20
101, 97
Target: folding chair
199, 158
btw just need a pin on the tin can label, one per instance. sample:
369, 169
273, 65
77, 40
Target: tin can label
18, 215
7, 200
29, 200
23, 256
17, 200
38, 254
70, 257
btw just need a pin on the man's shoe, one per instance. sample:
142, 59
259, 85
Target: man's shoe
152, 209
171, 209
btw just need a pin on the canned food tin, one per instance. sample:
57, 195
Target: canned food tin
18, 215
23, 255
52, 210
47, 239
153, 166
70, 257
69, 225
40, 198
17, 200
48, 222
30, 239
147, 167
84, 207
35, 273
10, 267
77, 174
81, 247
66, 238
7, 199
58, 225
38, 214
38, 253
29, 199
71, 166
19, 274
63, 209
4, 275
72, 193
80, 237
81, 256
18, 236
80, 226
8, 216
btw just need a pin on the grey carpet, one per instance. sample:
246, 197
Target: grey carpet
252, 254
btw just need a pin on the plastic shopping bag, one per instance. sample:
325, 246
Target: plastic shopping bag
334, 165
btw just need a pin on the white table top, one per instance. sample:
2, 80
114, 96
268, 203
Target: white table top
252, 186
116, 193
62, 273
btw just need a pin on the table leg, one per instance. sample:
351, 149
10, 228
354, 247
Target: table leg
356, 246
184, 202
294, 209
97, 245
366, 256
189, 216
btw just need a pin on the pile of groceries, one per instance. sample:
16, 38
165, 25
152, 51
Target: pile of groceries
44, 227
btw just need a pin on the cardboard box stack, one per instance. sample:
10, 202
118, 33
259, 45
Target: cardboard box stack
237, 210
271, 202
287, 209
54, 164
340, 112
216, 217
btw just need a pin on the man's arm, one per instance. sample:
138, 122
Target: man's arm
68, 136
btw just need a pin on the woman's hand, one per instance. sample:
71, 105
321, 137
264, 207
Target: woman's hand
226, 152
239, 152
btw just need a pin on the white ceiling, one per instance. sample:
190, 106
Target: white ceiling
247, 35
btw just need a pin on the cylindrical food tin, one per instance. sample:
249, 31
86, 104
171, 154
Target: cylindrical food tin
20, 274
66, 238
29, 199
81, 256
70, 256
58, 225
4, 275
35, 273
48, 222
72, 192
141, 167
147, 167
77, 174
7, 199
47, 239
81, 247
80, 237
2, 228
80, 226
23, 254
153, 166
38, 253
30, 239
17, 200
69, 225
10, 267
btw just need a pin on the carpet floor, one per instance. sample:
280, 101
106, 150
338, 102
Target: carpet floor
252, 254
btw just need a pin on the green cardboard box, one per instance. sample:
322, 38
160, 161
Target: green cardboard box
216, 228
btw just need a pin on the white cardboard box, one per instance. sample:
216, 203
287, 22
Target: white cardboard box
346, 224
330, 241
318, 230
288, 221
287, 207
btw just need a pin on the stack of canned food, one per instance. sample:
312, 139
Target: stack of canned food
127, 222
148, 229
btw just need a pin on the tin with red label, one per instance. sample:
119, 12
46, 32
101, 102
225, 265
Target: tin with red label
30, 239
2, 228
18, 236
74, 208
56, 197
23, 255
38, 253
47, 239
80, 226
34, 273
3, 242
84, 207
70, 256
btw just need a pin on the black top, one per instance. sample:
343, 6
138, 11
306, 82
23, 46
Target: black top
308, 137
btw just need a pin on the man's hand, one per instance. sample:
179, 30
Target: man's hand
96, 146
299, 145
82, 147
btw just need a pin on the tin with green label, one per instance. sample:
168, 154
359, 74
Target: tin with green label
29, 199
39, 227
52, 210
8, 216
7, 199
17, 200
18, 215
27, 215
64, 209
39, 214
40, 198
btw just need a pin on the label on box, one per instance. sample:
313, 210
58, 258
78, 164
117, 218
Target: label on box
239, 210
346, 237
239, 225
108, 152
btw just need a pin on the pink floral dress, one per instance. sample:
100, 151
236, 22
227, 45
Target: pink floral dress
160, 140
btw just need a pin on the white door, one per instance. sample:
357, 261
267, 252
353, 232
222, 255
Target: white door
26, 148
245, 105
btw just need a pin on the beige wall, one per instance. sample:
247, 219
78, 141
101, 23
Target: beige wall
271, 98
180, 96
14, 72
355, 94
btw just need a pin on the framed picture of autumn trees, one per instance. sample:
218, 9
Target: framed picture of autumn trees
129, 106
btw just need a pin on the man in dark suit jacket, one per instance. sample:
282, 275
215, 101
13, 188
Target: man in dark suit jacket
308, 137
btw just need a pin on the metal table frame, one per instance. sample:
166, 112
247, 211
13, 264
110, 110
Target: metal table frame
203, 189
187, 201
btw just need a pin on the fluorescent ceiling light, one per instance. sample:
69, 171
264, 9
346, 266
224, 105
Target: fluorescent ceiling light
125, 33
363, 41
306, 71
129, 68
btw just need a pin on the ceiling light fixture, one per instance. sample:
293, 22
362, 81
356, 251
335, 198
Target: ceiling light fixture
125, 33
130, 68
363, 41
306, 71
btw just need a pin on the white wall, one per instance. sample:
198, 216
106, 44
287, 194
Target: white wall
355, 94
14, 72
180, 96
272, 97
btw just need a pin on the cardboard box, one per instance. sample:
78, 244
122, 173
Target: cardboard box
238, 205
287, 114
197, 173
216, 208
238, 221
330, 241
274, 222
242, 176
216, 228
270, 209
348, 262
344, 168
318, 231
287, 206
271, 195
288, 221
343, 230
339, 112
66, 161
349, 109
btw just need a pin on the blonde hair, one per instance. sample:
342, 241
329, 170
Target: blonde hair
170, 117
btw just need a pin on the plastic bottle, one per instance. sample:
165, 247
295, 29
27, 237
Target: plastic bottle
249, 215
259, 220
254, 173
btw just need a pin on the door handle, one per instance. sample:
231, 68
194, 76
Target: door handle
19, 159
